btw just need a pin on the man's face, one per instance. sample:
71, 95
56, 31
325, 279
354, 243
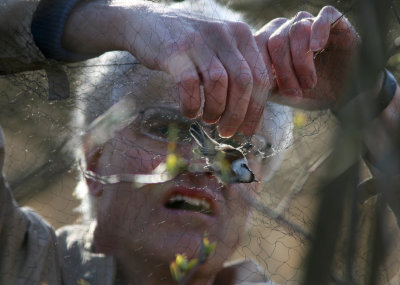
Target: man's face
146, 222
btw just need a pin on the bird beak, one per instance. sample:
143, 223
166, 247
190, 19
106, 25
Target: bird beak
254, 177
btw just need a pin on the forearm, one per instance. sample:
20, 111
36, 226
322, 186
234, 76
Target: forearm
96, 27
74, 30
89, 27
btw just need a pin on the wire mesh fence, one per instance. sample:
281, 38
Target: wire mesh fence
326, 209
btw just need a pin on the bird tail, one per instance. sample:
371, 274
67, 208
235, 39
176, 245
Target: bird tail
205, 142
197, 133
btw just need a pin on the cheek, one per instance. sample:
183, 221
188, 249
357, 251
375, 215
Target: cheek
235, 220
240, 197
239, 201
126, 210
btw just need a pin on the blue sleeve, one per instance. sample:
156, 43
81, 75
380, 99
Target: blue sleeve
48, 26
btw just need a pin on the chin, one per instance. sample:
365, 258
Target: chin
163, 245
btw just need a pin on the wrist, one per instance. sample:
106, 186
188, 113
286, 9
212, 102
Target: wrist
387, 91
94, 28
382, 136
375, 100
47, 28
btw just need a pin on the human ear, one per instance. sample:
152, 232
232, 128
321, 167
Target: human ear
92, 155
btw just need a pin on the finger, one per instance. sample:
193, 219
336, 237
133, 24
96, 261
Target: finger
188, 82
215, 82
271, 26
240, 84
302, 59
257, 103
262, 36
254, 115
260, 92
262, 78
321, 27
280, 53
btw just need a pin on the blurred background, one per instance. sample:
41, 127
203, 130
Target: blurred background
290, 236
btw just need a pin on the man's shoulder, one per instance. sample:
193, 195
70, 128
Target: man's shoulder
75, 235
79, 259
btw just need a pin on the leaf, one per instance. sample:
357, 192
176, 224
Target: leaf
83, 282
176, 272
192, 263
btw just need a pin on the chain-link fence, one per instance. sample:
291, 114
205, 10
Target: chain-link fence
326, 209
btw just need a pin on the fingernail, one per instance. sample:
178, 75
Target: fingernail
225, 132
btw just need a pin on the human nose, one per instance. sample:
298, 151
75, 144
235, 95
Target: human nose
199, 179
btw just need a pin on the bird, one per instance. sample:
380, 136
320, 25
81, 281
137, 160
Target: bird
228, 163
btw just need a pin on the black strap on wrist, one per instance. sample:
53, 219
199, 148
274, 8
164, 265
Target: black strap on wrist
387, 91
385, 96
381, 101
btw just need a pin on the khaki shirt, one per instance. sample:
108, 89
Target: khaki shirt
32, 253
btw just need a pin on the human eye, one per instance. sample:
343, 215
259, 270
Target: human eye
166, 130
165, 125
157, 128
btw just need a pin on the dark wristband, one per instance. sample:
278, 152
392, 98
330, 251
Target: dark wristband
387, 91
48, 26
385, 96
378, 103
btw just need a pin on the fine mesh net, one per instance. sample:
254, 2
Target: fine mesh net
307, 221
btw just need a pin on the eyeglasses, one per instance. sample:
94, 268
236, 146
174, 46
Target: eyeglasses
167, 125
163, 125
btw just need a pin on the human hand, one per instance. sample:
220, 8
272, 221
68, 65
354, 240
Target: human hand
222, 56
289, 45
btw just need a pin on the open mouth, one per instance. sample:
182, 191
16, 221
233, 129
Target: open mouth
189, 203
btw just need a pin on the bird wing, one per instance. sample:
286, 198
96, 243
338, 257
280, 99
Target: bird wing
206, 144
